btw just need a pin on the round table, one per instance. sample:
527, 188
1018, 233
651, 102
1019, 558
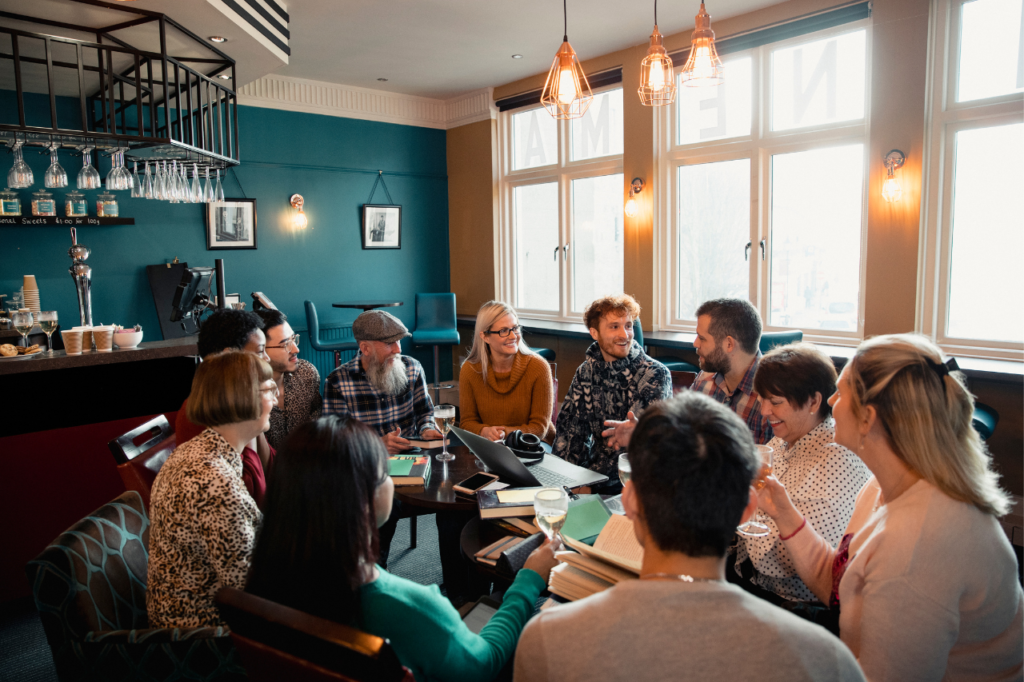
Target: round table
437, 492
476, 535
368, 305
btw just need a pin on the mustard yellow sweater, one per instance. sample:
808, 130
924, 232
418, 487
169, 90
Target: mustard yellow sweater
518, 399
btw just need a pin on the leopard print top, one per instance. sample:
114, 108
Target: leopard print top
303, 403
204, 526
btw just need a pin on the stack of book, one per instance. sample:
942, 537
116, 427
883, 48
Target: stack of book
615, 556
408, 469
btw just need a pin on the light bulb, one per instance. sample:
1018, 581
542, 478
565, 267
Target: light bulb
657, 79
567, 90
631, 207
891, 189
299, 221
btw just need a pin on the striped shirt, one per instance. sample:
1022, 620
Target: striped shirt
743, 401
349, 393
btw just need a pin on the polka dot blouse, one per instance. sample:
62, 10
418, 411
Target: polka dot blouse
823, 479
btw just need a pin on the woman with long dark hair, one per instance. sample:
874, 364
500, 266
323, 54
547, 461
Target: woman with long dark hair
316, 552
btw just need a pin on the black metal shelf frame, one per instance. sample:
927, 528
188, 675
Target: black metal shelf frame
159, 108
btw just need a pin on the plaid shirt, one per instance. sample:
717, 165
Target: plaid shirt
349, 393
743, 401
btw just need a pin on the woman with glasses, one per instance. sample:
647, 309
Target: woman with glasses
204, 521
298, 381
503, 385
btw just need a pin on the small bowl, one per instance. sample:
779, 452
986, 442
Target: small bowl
127, 338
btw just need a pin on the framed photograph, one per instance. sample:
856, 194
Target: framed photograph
382, 226
231, 224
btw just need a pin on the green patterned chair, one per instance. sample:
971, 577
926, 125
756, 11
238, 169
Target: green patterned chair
90, 591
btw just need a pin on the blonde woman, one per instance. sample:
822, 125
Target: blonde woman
924, 577
503, 385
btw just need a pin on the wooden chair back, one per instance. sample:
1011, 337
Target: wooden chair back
141, 453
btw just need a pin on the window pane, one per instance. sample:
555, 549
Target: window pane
991, 49
599, 132
597, 258
534, 136
714, 228
820, 82
715, 113
536, 234
987, 236
815, 238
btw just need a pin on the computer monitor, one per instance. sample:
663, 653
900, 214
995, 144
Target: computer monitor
192, 295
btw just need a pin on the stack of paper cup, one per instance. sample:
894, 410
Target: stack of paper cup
103, 337
72, 341
86, 338
31, 291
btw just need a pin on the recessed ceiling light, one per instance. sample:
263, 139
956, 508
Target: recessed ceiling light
224, 76
218, 39
383, 80
517, 56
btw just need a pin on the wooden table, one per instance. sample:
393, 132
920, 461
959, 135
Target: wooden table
476, 535
437, 493
368, 305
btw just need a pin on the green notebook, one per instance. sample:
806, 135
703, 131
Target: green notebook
586, 518
400, 466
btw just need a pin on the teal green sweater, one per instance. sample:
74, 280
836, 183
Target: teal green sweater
430, 638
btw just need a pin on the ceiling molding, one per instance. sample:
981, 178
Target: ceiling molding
331, 99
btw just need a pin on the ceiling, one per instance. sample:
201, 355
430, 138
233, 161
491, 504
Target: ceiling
429, 48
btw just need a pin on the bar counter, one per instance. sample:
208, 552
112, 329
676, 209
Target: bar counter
147, 350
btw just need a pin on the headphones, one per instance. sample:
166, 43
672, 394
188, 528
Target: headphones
526, 446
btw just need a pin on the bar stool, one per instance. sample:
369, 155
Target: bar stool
985, 420
436, 326
336, 347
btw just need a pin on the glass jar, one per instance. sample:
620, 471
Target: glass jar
43, 204
74, 205
106, 205
9, 203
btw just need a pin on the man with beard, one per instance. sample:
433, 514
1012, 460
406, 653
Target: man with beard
728, 334
298, 381
616, 382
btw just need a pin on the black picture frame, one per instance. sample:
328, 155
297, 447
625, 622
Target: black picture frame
230, 224
381, 226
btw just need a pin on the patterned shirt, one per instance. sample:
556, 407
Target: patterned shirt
743, 401
823, 479
349, 393
203, 533
603, 390
302, 403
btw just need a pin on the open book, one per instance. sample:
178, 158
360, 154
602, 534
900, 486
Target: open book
615, 556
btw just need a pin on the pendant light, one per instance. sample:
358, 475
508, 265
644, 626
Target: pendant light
703, 67
566, 93
657, 81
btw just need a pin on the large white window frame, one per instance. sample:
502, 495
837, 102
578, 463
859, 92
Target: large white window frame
759, 146
563, 171
946, 117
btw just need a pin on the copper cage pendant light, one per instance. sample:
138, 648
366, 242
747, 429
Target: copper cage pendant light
566, 92
703, 67
657, 80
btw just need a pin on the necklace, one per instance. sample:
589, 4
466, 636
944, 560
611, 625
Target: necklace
683, 577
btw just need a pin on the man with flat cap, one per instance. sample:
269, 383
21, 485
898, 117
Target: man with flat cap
381, 387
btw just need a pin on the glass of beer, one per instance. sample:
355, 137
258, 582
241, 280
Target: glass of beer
444, 417
551, 505
754, 528
625, 471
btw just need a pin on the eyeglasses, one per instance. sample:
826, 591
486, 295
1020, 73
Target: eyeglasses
293, 339
274, 388
503, 333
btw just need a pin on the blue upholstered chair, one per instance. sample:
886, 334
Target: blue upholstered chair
336, 347
770, 340
545, 353
90, 590
435, 326
985, 420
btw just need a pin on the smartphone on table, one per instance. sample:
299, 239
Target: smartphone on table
475, 482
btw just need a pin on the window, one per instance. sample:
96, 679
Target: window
561, 197
973, 234
763, 183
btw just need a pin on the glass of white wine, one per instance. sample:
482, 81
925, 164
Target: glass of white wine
625, 470
551, 505
23, 322
444, 417
753, 528
48, 323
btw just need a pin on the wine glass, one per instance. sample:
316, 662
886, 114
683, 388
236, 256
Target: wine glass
218, 191
197, 186
160, 182
55, 175
625, 470
147, 183
88, 177
752, 528
208, 194
48, 323
138, 191
444, 417
20, 175
172, 183
551, 505
23, 322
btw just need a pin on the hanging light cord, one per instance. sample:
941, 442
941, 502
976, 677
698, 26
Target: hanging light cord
565, 18
655, 12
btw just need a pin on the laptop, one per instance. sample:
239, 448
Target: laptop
550, 471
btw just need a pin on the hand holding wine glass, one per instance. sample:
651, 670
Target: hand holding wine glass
754, 528
551, 505
774, 501
542, 559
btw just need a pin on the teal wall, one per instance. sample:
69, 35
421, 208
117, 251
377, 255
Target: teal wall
332, 162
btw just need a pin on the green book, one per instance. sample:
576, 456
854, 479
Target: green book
586, 518
400, 466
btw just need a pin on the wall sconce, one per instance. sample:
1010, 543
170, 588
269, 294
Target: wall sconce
635, 188
891, 189
299, 221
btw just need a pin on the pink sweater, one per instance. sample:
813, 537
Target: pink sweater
930, 591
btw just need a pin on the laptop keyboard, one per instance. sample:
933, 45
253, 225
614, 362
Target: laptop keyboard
550, 478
